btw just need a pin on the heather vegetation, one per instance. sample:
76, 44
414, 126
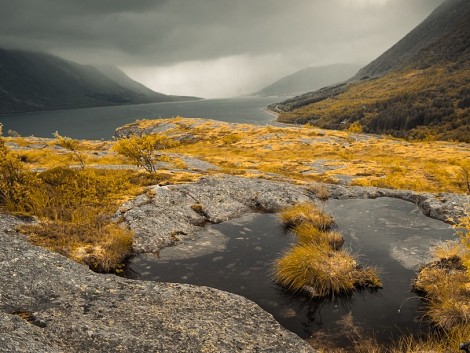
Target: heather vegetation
418, 104
74, 207
75, 203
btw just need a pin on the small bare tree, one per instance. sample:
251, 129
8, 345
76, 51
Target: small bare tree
141, 150
71, 145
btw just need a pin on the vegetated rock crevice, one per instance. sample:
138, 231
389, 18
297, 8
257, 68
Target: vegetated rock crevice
52, 304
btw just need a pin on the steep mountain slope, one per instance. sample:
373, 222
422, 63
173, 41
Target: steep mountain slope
119, 77
309, 79
427, 44
36, 81
419, 88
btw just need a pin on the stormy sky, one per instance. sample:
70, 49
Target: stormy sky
210, 48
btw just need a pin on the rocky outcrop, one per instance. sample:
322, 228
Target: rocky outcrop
51, 304
445, 207
166, 214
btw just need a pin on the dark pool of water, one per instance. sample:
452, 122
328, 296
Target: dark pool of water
237, 256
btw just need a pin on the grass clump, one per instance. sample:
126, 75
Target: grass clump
361, 342
320, 271
306, 213
316, 265
319, 190
307, 233
101, 245
445, 282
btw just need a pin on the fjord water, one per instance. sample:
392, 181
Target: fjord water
238, 256
100, 122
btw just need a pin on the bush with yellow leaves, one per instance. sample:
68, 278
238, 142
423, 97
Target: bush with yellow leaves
141, 150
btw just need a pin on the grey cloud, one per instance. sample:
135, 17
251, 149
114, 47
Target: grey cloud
150, 32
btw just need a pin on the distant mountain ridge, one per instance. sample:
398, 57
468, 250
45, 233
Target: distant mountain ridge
32, 81
419, 88
309, 79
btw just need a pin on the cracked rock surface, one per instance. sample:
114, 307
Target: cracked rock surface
166, 214
51, 304
445, 207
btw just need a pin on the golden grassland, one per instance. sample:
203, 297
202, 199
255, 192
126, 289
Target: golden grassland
289, 152
416, 103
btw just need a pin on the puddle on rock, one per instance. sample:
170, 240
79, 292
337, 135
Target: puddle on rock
238, 256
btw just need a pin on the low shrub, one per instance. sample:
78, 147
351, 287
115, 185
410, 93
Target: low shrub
21, 192
141, 150
74, 206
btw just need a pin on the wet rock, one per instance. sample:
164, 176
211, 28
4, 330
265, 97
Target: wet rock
170, 214
51, 304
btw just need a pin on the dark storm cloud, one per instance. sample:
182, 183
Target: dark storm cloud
159, 32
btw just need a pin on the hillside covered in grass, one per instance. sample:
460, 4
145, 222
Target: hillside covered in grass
419, 88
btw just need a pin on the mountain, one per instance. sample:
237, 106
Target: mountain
119, 77
37, 81
309, 79
419, 88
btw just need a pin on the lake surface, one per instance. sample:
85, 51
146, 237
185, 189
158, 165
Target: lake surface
100, 122
390, 234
